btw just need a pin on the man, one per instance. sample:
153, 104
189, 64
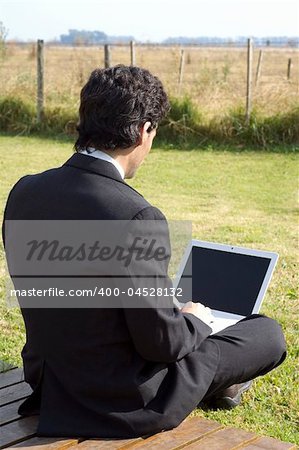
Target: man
124, 372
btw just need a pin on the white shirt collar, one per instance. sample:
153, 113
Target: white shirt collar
105, 157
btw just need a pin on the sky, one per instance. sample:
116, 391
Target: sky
150, 20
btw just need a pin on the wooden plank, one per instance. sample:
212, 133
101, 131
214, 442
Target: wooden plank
11, 377
41, 443
268, 443
9, 412
14, 392
111, 444
189, 431
17, 431
225, 439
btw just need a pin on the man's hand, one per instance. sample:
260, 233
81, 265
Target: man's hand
199, 310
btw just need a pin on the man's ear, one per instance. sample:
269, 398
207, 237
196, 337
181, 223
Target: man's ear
148, 127
145, 130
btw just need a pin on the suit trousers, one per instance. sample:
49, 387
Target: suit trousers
248, 349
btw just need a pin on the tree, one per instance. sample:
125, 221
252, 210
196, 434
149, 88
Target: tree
83, 37
3, 36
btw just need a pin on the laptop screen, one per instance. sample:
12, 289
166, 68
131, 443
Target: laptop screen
222, 280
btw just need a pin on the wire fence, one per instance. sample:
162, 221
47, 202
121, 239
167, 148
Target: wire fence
217, 79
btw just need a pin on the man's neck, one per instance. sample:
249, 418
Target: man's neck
107, 156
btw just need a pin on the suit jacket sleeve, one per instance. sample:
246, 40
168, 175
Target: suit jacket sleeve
163, 334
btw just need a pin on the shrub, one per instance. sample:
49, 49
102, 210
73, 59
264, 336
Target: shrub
264, 132
18, 116
183, 123
185, 126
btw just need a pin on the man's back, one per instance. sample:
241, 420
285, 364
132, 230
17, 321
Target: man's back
83, 363
83, 188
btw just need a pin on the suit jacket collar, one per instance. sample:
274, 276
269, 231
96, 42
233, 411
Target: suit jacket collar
98, 166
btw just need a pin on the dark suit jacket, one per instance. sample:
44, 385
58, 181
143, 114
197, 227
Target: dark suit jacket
106, 372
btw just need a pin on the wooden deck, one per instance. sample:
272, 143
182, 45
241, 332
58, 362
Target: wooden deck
195, 433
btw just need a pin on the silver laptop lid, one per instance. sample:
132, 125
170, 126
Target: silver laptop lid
226, 278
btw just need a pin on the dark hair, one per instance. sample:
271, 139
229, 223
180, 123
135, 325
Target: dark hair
115, 103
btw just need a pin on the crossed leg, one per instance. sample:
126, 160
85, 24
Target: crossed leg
250, 348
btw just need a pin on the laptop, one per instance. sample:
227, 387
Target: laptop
231, 281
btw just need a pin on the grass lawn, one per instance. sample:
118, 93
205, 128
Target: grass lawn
246, 199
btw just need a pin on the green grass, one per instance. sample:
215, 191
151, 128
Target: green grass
244, 198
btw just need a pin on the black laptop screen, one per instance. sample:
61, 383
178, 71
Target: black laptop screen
224, 281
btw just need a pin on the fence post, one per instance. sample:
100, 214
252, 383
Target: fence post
133, 53
107, 56
249, 81
40, 81
259, 65
181, 71
289, 68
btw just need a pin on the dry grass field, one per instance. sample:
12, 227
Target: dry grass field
215, 78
